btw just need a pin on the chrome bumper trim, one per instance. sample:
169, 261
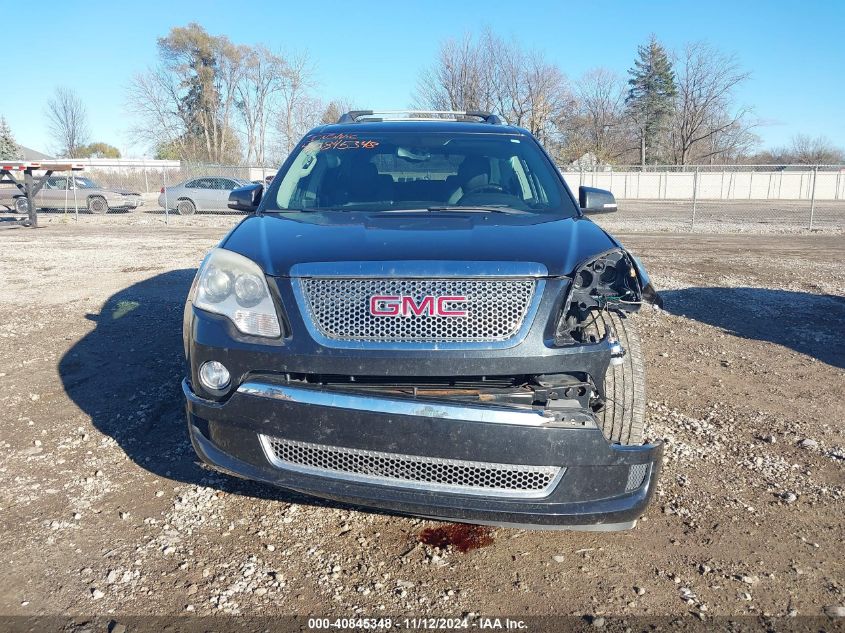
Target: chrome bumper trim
396, 406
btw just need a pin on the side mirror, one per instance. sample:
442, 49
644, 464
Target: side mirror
594, 200
246, 198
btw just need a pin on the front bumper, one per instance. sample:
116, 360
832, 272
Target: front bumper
599, 487
125, 202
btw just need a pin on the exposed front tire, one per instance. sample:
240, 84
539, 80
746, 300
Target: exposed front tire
186, 207
623, 417
98, 205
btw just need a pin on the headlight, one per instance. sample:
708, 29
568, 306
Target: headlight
234, 286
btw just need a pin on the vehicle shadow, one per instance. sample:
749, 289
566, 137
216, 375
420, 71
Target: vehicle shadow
811, 324
126, 374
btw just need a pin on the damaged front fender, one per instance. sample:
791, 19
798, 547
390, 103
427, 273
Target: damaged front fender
649, 293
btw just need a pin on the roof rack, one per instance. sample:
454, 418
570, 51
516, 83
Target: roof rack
373, 116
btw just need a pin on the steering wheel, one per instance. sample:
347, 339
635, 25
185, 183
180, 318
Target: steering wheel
490, 187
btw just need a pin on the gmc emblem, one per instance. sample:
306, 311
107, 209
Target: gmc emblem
396, 305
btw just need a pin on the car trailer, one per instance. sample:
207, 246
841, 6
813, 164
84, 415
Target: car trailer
32, 183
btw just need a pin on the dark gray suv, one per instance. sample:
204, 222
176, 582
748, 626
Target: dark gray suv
417, 316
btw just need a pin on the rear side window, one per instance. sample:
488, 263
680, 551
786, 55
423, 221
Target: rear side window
395, 171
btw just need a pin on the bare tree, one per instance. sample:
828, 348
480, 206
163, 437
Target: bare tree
260, 84
814, 151
230, 70
208, 94
153, 96
68, 121
491, 74
598, 124
706, 122
548, 98
297, 110
188, 101
456, 80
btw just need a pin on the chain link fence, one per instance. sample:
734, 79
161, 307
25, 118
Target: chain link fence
142, 188
722, 197
652, 198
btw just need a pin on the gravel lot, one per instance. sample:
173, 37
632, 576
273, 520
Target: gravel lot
105, 511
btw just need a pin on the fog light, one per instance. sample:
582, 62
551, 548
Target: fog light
214, 375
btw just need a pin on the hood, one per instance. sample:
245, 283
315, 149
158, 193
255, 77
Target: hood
277, 243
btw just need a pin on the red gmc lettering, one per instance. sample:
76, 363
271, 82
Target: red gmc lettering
426, 306
384, 305
441, 306
395, 305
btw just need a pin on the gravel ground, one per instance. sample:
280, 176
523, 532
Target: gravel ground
105, 511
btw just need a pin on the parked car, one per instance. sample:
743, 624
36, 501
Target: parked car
209, 193
57, 193
419, 317
265, 181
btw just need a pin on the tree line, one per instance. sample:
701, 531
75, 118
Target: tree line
672, 108
210, 100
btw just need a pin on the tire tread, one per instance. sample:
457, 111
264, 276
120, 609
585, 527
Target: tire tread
623, 417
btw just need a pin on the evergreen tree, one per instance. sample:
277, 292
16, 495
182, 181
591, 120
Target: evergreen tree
651, 94
9, 149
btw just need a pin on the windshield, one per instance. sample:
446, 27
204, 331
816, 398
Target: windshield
404, 171
84, 183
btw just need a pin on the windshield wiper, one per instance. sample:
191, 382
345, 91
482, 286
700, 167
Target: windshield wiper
478, 209
306, 210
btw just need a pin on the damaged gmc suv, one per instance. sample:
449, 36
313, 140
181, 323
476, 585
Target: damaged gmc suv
416, 316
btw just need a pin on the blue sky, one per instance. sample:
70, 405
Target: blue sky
372, 52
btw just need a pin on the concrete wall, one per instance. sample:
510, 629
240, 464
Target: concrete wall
118, 165
713, 184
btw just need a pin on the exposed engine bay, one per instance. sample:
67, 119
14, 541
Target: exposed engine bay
608, 281
562, 397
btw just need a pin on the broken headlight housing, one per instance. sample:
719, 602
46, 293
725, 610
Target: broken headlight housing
609, 280
234, 286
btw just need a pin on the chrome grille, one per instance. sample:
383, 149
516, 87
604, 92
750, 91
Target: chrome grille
496, 309
396, 469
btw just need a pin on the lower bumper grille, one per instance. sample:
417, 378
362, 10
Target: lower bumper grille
636, 476
412, 471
